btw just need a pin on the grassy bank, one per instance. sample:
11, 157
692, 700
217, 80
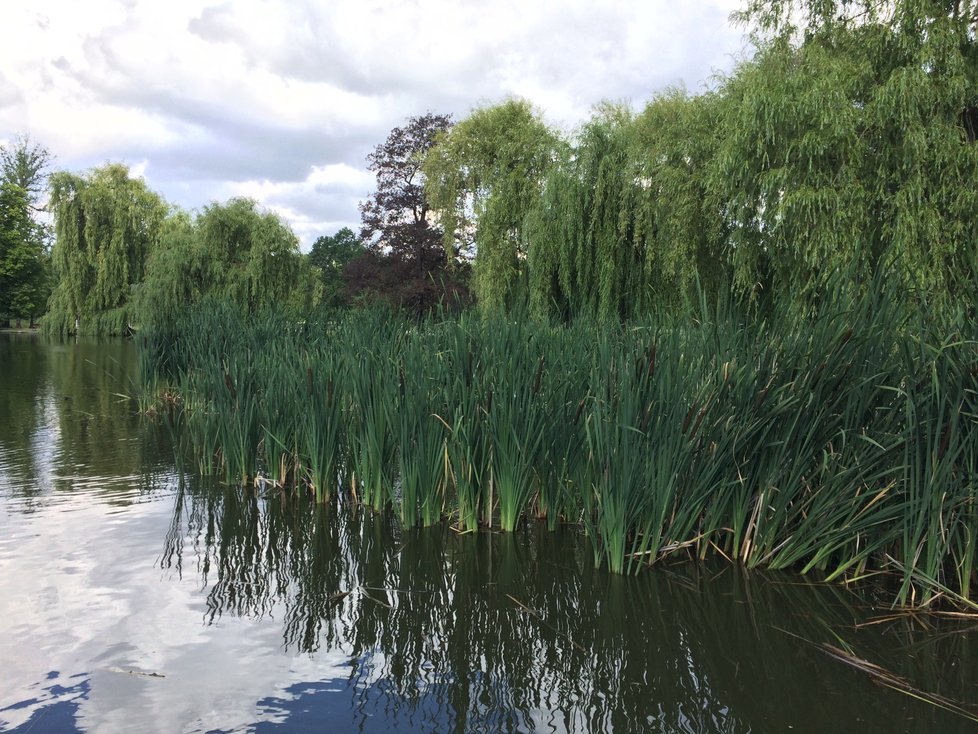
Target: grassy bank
843, 444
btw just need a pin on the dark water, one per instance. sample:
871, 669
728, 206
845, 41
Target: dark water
273, 614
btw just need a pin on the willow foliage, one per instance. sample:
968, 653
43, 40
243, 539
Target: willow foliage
845, 146
232, 251
105, 225
483, 176
849, 146
628, 221
582, 250
682, 221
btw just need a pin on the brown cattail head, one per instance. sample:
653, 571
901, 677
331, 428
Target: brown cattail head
536, 381
309, 381
230, 386
689, 416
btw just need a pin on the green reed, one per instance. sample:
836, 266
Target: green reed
842, 444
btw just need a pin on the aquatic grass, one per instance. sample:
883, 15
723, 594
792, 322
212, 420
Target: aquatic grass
515, 419
372, 378
840, 444
421, 438
320, 420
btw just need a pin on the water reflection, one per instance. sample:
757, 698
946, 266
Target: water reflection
68, 423
274, 614
495, 632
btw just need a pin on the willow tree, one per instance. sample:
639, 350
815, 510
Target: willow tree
682, 221
105, 224
849, 147
233, 252
629, 220
482, 177
583, 253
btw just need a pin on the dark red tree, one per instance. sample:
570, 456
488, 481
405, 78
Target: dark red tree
396, 221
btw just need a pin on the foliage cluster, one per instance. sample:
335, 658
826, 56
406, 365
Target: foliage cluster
404, 264
232, 251
846, 144
24, 257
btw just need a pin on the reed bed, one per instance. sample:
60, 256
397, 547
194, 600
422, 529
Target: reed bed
843, 444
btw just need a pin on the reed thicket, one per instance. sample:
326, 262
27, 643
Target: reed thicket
844, 443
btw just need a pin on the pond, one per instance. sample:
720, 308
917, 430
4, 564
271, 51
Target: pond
137, 599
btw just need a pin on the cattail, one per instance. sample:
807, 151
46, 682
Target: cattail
230, 386
945, 439
689, 417
309, 381
580, 409
645, 418
651, 368
536, 381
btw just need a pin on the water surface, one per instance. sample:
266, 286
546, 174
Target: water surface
136, 599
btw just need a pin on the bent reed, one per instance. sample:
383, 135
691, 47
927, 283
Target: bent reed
843, 444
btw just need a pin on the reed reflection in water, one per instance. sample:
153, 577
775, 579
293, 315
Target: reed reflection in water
518, 632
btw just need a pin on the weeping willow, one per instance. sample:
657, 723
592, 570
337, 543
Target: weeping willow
105, 225
584, 256
849, 146
483, 176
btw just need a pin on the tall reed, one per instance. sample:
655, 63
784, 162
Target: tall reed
843, 443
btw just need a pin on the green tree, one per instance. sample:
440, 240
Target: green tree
106, 224
231, 251
628, 220
22, 276
849, 146
331, 254
25, 163
484, 175
24, 257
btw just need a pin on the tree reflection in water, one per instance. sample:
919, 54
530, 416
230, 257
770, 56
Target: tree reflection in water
509, 632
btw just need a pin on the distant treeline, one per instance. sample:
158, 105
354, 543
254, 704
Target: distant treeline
845, 144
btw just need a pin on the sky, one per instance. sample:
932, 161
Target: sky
281, 100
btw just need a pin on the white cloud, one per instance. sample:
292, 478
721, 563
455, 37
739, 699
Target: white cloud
267, 97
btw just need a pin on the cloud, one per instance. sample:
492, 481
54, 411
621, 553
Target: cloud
264, 96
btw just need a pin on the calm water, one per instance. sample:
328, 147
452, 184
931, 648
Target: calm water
132, 599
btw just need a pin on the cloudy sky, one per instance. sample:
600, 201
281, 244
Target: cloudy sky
281, 100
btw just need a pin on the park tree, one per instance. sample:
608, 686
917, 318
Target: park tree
404, 263
483, 177
24, 233
106, 223
849, 147
25, 163
22, 273
396, 218
330, 254
234, 252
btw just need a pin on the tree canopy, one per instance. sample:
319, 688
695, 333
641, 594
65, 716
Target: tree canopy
396, 219
24, 258
484, 176
330, 254
844, 151
106, 223
232, 251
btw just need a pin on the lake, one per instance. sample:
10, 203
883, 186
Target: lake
134, 598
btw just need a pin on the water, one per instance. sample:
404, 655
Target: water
136, 600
